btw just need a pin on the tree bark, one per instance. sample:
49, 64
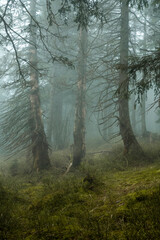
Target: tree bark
58, 122
79, 148
143, 116
39, 142
50, 115
143, 106
133, 113
126, 131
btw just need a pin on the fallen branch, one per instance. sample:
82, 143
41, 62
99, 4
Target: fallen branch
101, 152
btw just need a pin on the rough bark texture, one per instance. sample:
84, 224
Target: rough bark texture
126, 131
79, 128
39, 142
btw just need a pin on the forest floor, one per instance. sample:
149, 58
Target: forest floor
111, 197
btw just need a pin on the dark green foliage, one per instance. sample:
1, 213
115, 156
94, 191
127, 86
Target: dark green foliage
84, 11
139, 3
148, 65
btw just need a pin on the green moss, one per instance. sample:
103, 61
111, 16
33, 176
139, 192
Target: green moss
98, 202
140, 215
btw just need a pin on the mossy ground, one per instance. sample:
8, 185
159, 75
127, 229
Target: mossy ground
109, 197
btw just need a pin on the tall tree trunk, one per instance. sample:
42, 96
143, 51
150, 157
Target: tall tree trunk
50, 115
133, 106
56, 127
133, 113
126, 131
106, 113
58, 121
108, 124
39, 143
79, 128
143, 116
143, 106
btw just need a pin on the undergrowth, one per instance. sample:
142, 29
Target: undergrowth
109, 198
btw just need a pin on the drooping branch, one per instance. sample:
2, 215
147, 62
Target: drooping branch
149, 65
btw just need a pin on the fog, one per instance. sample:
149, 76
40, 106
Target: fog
62, 80
79, 119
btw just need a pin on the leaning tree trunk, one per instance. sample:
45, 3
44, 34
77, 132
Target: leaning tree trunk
79, 128
126, 131
39, 143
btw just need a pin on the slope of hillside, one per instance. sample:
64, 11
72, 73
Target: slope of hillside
105, 199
